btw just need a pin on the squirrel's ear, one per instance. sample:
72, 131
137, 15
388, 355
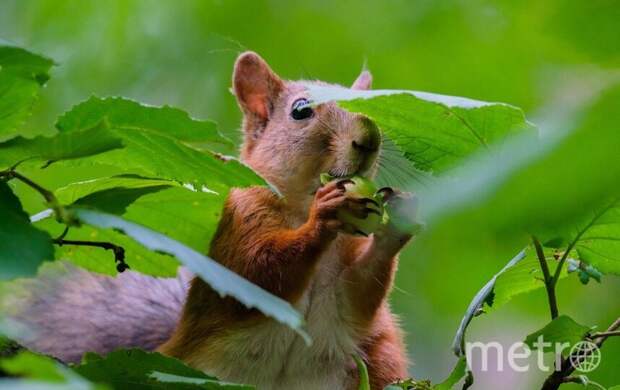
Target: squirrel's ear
256, 86
363, 81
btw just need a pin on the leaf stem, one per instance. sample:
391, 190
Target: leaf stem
549, 280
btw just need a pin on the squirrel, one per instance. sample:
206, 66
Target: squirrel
291, 245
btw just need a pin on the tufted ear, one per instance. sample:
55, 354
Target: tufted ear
363, 81
256, 87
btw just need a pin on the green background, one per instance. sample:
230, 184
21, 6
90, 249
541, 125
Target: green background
181, 53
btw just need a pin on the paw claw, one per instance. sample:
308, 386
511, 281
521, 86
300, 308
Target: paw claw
386, 192
372, 211
341, 183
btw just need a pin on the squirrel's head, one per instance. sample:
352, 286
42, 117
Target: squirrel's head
290, 142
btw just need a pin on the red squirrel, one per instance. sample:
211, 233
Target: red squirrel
291, 245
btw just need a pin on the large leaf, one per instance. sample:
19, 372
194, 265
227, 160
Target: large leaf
22, 246
161, 142
111, 194
516, 173
92, 191
597, 240
137, 369
167, 381
188, 216
503, 198
433, 130
492, 204
22, 74
126, 114
220, 278
99, 260
63, 146
562, 329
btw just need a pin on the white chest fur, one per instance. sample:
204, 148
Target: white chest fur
271, 356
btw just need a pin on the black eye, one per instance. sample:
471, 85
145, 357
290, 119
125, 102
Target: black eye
301, 109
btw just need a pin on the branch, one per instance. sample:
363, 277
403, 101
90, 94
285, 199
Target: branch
572, 379
63, 216
605, 334
559, 376
548, 279
59, 211
119, 251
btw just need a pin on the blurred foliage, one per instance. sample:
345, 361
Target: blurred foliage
181, 54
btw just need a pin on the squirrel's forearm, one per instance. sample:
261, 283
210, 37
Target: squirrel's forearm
368, 279
283, 261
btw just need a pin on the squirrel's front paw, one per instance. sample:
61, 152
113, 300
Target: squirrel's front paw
402, 210
332, 198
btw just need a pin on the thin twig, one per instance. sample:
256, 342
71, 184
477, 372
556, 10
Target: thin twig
64, 217
11, 173
604, 334
548, 279
119, 251
60, 212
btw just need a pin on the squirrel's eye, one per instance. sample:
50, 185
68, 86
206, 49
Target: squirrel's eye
301, 109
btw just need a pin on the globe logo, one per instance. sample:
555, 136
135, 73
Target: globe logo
585, 356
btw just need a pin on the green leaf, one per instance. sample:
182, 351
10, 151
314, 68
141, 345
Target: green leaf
498, 198
516, 173
165, 148
33, 366
433, 130
482, 296
81, 191
410, 384
190, 217
597, 240
562, 329
63, 146
183, 381
122, 113
458, 372
363, 373
220, 278
137, 369
22, 74
99, 260
522, 278
22, 246
42, 373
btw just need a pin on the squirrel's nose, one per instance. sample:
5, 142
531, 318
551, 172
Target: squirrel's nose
368, 139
